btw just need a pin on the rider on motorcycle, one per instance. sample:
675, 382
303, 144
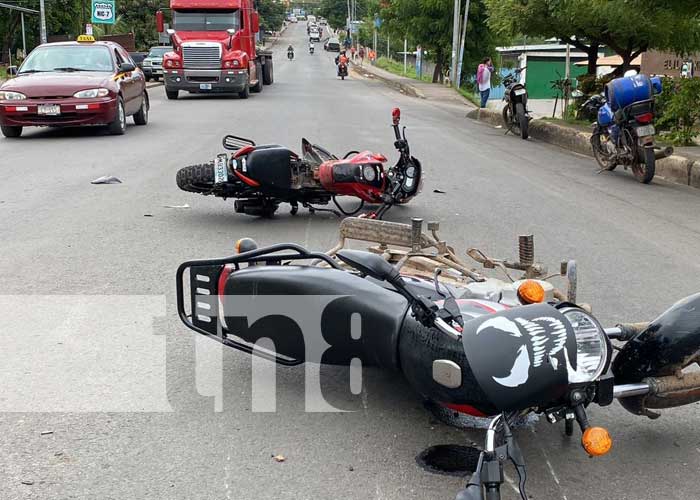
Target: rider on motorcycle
311, 46
290, 52
341, 58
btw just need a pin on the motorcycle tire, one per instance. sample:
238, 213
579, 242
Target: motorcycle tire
523, 121
196, 178
601, 158
506, 116
342, 77
644, 171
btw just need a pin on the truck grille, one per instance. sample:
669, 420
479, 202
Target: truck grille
202, 56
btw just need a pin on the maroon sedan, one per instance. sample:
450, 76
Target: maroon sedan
74, 83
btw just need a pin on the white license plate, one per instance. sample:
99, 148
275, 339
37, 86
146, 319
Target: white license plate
645, 131
520, 91
49, 109
220, 170
205, 86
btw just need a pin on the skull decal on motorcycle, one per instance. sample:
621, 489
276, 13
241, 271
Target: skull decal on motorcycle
520, 354
543, 338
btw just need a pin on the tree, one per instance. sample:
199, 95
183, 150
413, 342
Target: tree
429, 24
271, 15
627, 27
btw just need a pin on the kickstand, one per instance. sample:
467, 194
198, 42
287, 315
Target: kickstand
313, 209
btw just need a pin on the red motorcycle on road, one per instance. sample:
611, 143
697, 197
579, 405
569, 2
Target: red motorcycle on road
261, 177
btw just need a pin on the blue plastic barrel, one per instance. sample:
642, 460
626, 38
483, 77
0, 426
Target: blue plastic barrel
656, 84
605, 115
622, 92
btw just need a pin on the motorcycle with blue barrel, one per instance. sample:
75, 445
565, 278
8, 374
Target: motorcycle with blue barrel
623, 133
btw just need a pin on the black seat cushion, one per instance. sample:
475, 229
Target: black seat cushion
270, 166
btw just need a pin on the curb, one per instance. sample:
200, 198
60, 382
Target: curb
400, 86
675, 168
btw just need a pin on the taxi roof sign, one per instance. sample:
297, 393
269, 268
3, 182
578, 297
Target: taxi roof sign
86, 39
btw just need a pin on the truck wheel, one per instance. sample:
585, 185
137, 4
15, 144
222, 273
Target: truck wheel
257, 88
118, 126
268, 77
11, 132
148, 78
141, 116
245, 93
196, 178
171, 94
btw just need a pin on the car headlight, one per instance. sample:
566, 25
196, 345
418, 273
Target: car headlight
592, 347
147, 63
369, 173
91, 93
8, 95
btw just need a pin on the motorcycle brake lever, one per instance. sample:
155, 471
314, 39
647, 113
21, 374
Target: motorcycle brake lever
515, 455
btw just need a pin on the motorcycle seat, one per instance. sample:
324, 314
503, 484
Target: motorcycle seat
270, 166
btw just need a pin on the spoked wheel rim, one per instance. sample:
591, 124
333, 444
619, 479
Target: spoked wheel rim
603, 159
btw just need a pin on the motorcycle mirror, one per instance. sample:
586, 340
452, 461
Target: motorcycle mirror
396, 115
368, 263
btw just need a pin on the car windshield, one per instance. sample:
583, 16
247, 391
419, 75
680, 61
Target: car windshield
158, 51
68, 58
194, 20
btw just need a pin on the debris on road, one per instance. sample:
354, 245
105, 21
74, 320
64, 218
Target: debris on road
46, 433
28, 482
148, 215
438, 191
279, 458
106, 179
177, 206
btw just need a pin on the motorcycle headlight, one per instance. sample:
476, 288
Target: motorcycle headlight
592, 348
91, 93
369, 173
8, 95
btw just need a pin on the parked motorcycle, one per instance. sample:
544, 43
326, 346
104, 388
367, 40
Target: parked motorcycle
516, 117
482, 347
262, 177
623, 133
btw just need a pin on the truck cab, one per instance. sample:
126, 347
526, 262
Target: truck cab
214, 48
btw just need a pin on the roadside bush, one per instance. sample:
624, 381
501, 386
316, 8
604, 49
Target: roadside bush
678, 110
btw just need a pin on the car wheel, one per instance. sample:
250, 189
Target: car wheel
141, 116
118, 126
171, 94
11, 132
148, 78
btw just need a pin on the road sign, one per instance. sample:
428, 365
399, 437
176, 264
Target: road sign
88, 29
103, 12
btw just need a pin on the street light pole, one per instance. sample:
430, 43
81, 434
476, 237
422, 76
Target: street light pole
42, 21
461, 47
455, 41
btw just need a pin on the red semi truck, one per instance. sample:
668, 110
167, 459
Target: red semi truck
214, 48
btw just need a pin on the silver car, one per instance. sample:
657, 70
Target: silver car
153, 63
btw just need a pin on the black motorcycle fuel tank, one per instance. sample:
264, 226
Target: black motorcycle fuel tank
315, 314
669, 343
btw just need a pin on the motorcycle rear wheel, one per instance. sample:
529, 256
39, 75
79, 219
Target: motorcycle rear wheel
644, 171
196, 178
523, 121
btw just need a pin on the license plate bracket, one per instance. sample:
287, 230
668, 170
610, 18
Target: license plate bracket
49, 109
520, 91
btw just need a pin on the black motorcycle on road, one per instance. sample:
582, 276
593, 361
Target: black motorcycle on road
290, 53
482, 357
516, 117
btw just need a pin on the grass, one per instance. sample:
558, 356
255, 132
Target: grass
397, 68
471, 96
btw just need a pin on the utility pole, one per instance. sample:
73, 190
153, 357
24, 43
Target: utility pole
461, 47
24, 38
455, 41
405, 55
42, 21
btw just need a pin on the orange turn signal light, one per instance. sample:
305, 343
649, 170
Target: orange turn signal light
245, 245
596, 441
531, 292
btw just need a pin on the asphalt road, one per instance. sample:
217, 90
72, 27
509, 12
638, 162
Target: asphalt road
105, 394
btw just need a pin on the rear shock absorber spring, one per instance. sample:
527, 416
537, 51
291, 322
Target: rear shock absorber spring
526, 249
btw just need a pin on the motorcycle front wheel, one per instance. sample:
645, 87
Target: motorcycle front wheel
600, 155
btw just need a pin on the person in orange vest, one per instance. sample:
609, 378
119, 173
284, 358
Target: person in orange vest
372, 56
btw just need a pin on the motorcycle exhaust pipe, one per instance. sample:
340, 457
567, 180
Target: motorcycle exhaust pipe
663, 392
663, 152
